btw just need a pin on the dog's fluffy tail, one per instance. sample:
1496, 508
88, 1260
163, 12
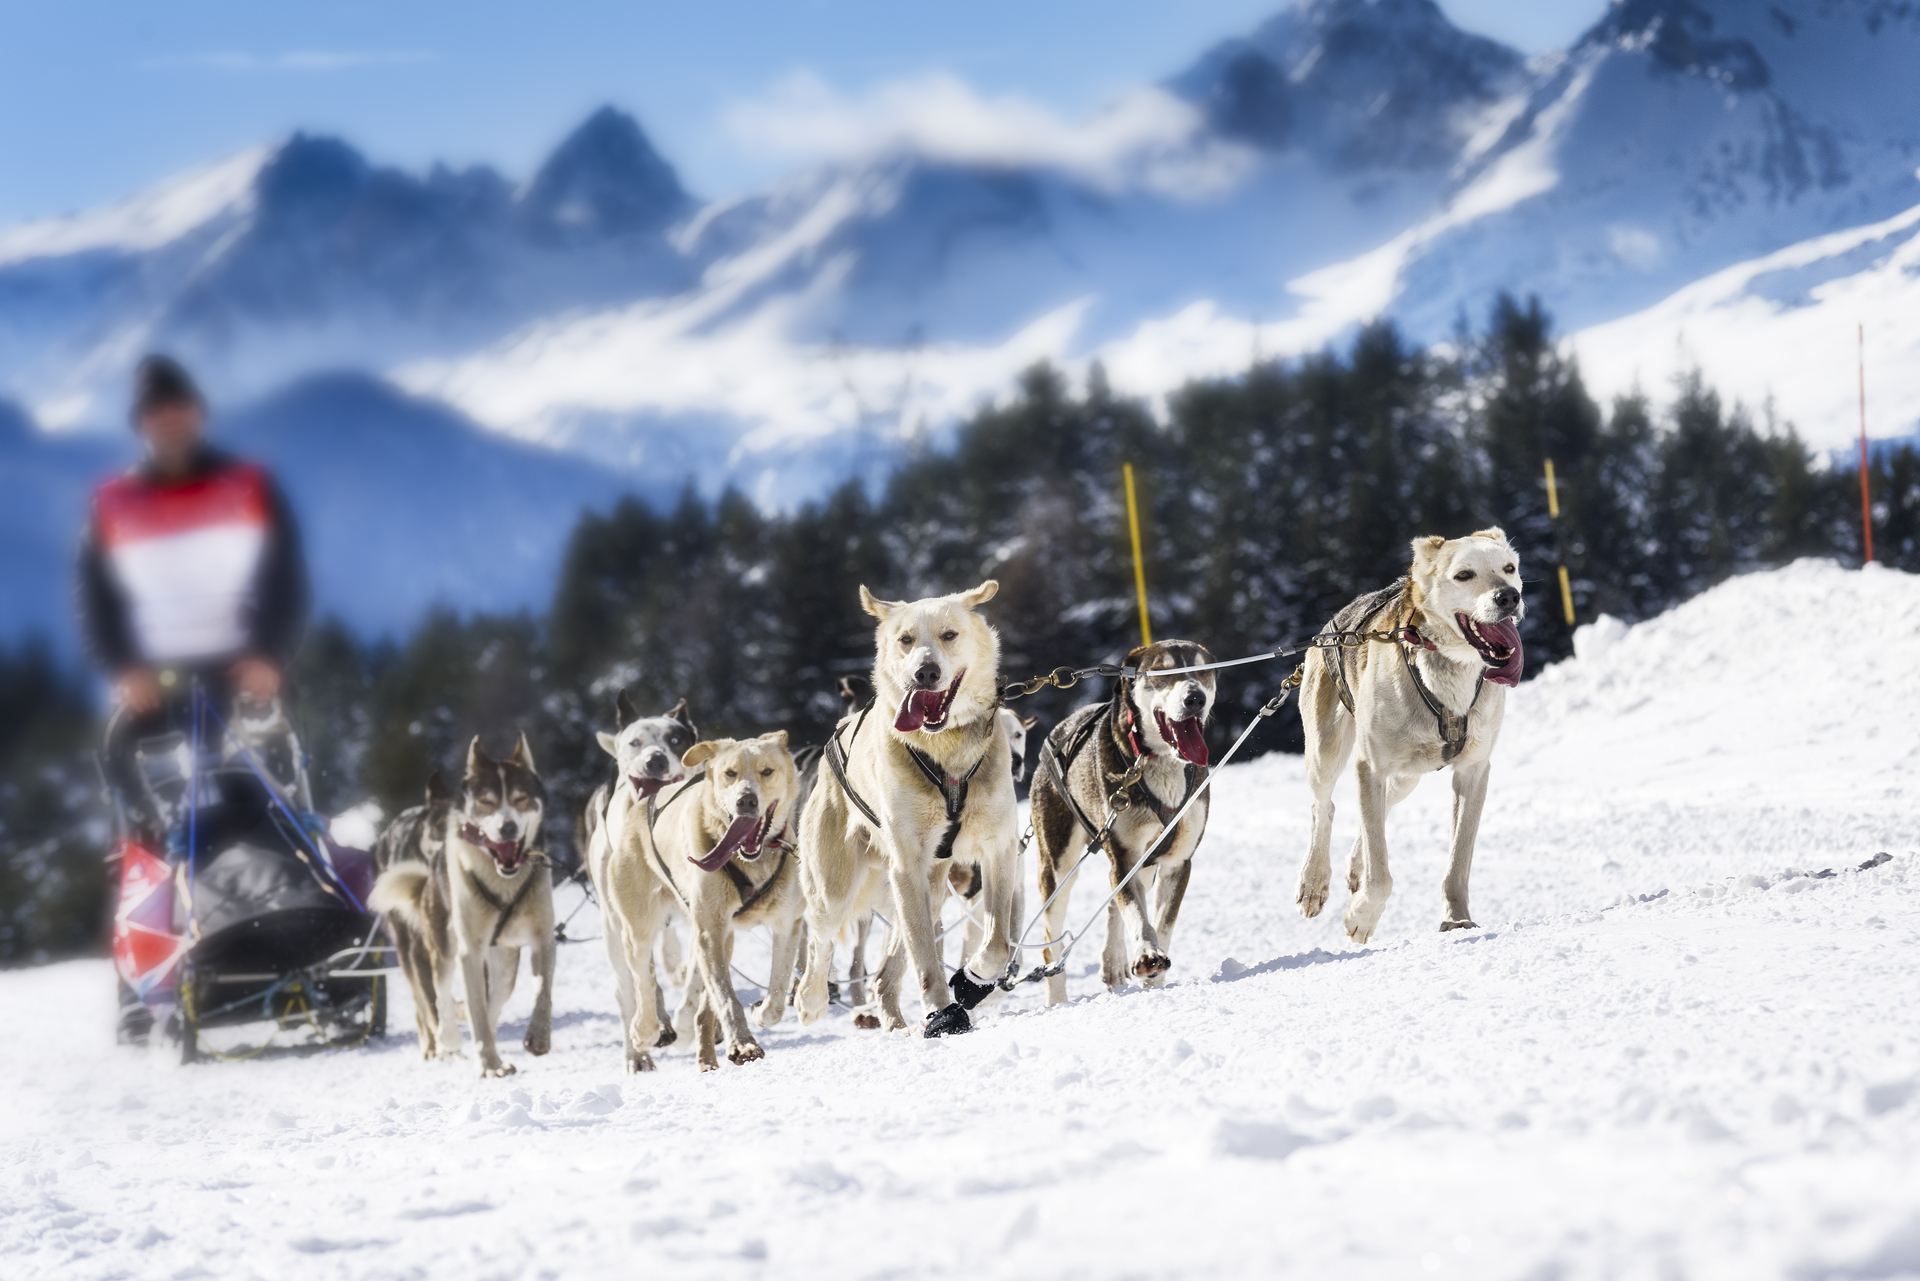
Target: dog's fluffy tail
402, 891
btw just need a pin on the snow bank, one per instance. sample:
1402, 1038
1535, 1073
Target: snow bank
1678, 1047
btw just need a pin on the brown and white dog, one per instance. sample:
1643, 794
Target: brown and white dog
417, 835
488, 896
1157, 723
1433, 699
923, 776
719, 845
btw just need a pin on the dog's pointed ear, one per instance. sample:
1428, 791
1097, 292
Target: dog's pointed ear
778, 738
609, 744
522, 752
477, 758
438, 793
1426, 553
875, 606
1494, 532
981, 594
623, 709
699, 754
1136, 656
678, 712
1028, 722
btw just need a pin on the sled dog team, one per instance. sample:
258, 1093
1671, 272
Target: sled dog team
912, 800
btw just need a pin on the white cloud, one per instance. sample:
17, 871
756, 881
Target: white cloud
1147, 137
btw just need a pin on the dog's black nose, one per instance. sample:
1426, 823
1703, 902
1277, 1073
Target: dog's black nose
1195, 700
1507, 597
656, 761
927, 675
749, 803
509, 830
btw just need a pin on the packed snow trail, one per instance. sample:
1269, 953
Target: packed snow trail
1674, 1051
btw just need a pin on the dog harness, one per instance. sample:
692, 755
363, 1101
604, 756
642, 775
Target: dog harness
1079, 731
953, 791
504, 910
742, 883
1454, 726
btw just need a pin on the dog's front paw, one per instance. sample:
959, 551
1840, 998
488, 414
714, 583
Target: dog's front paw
639, 1062
950, 1021
497, 1069
867, 1020
1312, 899
538, 1043
766, 1014
1148, 964
745, 1052
667, 1037
968, 991
1457, 923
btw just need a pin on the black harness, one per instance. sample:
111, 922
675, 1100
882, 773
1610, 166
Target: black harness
1454, 726
504, 910
742, 883
953, 791
1078, 730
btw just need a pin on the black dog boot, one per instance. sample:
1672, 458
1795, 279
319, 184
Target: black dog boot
966, 991
948, 1022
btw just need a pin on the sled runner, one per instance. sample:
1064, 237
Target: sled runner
234, 905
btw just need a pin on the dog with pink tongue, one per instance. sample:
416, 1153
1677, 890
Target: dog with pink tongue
915, 782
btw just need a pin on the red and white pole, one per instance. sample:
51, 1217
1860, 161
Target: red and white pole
1866, 504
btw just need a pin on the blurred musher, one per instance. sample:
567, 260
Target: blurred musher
190, 571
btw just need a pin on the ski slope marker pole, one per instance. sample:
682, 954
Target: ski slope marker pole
1866, 504
1139, 566
1553, 510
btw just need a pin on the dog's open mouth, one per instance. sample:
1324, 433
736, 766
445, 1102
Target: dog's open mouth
509, 857
1499, 646
745, 836
1186, 737
927, 708
644, 787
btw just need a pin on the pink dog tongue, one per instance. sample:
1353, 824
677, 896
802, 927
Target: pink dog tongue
737, 833
1187, 739
1505, 634
919, 707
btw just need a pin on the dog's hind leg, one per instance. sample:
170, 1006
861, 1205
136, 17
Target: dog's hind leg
1469, 796
706, 1029
1330, 735
1113, 957
447, 980
857, 967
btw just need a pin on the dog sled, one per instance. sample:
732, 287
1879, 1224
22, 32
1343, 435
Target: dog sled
238, 918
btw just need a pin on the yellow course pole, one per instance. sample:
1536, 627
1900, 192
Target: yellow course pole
1553, 510
1139, 566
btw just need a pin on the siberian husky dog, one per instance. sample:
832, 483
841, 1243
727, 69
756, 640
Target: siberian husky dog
921, 776
647, 753
417, 835
1157, 723
719, 846
489, 895
1433, 698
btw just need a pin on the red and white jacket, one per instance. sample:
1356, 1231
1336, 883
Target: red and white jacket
197, 569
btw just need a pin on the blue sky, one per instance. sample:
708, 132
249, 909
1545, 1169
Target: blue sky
100, 99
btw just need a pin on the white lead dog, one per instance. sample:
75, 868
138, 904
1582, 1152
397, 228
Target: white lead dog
922, 776
1433, 698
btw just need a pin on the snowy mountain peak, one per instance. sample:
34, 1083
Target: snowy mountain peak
606, 179
1681, 37
1357, 82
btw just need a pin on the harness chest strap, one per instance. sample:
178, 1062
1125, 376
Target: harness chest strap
953, 791
505, 910
1454, 726
742, 883
1057, 763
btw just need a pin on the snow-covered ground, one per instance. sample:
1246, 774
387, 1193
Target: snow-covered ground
1674, 1050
